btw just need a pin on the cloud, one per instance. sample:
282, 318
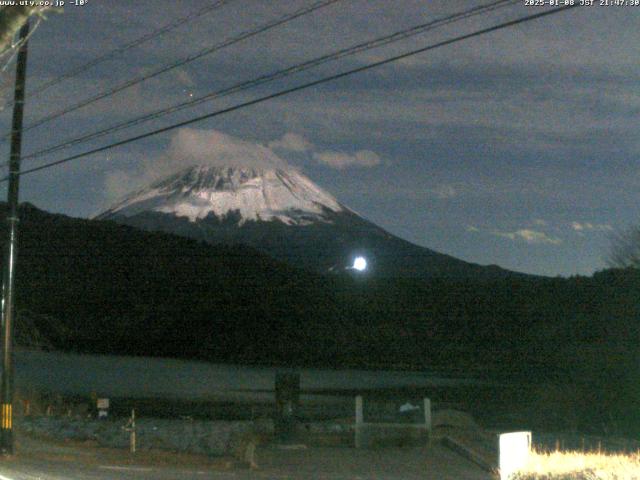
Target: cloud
291, 142
118, 183
539, 237
192, 147
211, 147
529, 236
340, 160
523, 234
443, 191
184, 78
541, 118
586, 226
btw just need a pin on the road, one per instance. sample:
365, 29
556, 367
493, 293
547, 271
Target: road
38, 460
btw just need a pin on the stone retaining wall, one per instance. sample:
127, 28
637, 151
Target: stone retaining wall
213, 438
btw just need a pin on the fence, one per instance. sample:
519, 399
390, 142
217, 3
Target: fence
383, 421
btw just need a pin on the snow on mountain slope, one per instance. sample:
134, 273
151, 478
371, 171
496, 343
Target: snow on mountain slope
256, 194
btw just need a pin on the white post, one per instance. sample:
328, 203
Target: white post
359, 421
427, 415
514, 450
132, 438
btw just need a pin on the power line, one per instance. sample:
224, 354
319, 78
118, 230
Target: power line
119, 50
361, 47
207, 51
304, 86
14, 49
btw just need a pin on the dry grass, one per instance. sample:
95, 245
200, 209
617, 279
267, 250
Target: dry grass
581, 466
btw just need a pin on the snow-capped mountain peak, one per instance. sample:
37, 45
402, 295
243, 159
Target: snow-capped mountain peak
255, 194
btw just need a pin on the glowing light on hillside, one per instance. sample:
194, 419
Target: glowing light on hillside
360, 264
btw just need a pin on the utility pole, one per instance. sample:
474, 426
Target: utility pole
8, 310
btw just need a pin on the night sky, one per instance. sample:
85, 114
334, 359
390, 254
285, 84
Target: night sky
517, 148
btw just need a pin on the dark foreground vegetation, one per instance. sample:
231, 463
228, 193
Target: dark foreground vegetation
97, 287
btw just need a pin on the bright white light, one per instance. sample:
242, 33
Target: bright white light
515, 448
360, 264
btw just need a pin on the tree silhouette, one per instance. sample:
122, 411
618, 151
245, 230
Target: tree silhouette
625, 249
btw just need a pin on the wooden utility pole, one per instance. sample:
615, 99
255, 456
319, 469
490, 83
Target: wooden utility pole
8, 310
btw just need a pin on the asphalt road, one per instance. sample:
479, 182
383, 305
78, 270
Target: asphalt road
46, 461
47, 470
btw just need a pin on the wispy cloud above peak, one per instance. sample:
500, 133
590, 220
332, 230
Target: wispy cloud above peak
291, 142
212, 147
189, 147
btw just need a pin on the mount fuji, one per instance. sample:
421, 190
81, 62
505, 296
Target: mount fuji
244, 194
284, 214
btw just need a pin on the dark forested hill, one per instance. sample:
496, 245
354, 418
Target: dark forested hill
92, 286
117, 289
